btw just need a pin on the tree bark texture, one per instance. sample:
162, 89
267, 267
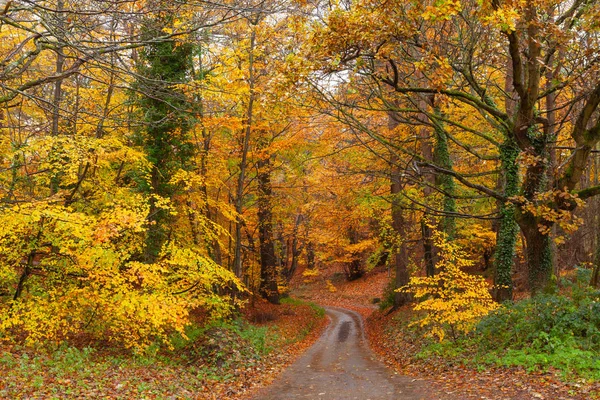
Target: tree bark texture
268, 260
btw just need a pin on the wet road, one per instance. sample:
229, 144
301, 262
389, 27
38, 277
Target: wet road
341, 366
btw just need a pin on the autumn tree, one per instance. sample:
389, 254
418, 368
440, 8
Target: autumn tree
74, 221
162, 66
464, 62
261, 125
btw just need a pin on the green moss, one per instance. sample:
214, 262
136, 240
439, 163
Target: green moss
508, 230
445, 182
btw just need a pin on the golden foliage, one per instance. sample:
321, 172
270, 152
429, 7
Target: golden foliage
330, 286
452, 301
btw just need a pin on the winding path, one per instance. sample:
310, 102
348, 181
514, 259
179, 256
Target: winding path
340, 366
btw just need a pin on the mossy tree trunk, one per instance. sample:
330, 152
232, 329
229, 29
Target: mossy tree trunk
162, 66
595, 281
444, 182
539, 255
508, 230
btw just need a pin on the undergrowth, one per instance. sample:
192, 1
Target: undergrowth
221, 345
222, 351
548, 331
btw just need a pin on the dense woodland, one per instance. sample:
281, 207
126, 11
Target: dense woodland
163, 157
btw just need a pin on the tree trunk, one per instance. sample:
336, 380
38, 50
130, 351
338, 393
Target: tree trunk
268, 261
539, 255
282, 250
60, 62
400, 256
310, 255
595, 281
550, 132
239, 195
57, 94
540, 261
294, 250
157, 218
166, 125
508, 230
214, 247
294, 263
354, 268
427, 150
427, 237
444, 182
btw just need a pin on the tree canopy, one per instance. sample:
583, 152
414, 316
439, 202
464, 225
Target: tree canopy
159, 157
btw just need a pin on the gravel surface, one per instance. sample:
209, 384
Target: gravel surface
341, 366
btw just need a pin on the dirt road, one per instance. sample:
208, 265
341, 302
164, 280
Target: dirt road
340, 366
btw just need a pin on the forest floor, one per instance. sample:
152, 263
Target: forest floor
249, 354
340, 366
400, 348
226, 361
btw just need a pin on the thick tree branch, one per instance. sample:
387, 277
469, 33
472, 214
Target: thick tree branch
588, 192
464, 181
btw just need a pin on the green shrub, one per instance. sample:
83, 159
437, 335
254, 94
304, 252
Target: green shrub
522, 324
571, 361
222, 343
546, 331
